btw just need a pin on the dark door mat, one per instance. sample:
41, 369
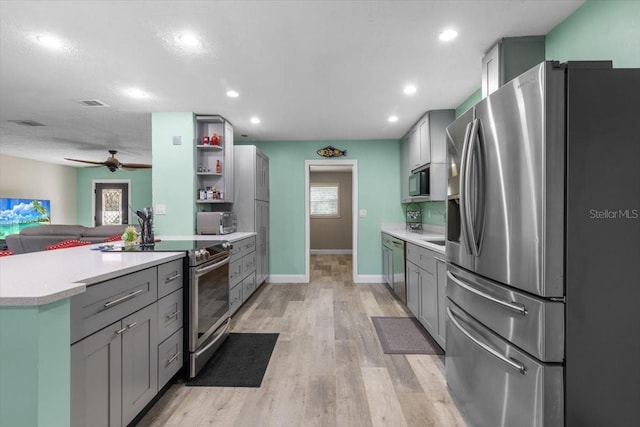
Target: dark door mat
404, 335
241, 361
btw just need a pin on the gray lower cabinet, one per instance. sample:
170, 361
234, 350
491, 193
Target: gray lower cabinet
114, 371
242, 272
425, 276
119, 328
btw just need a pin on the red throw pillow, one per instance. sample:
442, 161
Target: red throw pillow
67, 244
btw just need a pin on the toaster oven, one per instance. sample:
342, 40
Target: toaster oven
215, 223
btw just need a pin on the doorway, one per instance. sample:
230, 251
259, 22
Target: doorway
111, 201
327, 166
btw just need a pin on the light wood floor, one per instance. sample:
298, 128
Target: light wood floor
327, 368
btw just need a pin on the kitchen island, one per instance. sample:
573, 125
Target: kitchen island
35, 309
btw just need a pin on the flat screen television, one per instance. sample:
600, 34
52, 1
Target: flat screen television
16, 214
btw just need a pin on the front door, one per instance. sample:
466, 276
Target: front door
111, 203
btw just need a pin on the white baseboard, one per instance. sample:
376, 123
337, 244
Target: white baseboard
370, 278
331, 251
287, 278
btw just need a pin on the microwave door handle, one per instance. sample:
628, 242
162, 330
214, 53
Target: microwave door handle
463, 189
471, 150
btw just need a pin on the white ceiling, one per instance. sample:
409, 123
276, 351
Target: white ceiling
311, 70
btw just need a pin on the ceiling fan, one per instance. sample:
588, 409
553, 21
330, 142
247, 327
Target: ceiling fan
113, 164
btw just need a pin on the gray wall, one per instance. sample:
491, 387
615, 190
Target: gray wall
333, 233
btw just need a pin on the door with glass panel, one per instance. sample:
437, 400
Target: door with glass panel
111, 203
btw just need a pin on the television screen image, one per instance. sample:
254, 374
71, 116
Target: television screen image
16, 214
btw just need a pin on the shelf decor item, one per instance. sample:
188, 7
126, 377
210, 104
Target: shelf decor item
330, 151
413, 217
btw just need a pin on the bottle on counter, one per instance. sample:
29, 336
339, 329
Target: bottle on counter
218, 167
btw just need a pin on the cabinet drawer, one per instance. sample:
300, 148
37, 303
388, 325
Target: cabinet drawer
421, 257
235, 298
169, 358
169, 315
248, 263
235, 268
248, 245
235, 252
248, 286
110, 301
170, 277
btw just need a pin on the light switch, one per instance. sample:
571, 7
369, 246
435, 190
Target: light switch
177, 140
160, 210
363, 213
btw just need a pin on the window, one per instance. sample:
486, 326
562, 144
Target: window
324, 200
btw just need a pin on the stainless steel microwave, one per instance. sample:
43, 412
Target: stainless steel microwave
419, 183
215, 222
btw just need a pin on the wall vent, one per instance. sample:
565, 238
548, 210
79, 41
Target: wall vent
92, 103
26, 122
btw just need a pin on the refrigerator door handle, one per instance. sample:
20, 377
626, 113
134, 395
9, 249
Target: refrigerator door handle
463, 189
471, 150
513, 363
507, 304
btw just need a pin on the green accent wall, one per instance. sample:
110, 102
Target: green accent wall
35, 374
140, 189
173, 172
469, 102
598, 30
378, 184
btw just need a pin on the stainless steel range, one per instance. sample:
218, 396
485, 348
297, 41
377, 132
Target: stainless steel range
208, 298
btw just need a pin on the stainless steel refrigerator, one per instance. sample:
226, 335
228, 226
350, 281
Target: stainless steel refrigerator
543, 250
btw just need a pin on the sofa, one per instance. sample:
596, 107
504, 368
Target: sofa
34, 239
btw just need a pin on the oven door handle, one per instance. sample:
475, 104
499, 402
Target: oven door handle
204, 270
215, 340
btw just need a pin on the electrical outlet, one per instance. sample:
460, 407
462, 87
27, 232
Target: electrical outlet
363, 213
160, 210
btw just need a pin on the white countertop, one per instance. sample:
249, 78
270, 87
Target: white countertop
434, 233
39, 278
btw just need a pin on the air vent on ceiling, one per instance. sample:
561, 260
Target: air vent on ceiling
92, 103
26, 122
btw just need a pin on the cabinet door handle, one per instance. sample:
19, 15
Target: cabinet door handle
123, 299
120, 331
174, 314
132, 325
172, 278
173, 358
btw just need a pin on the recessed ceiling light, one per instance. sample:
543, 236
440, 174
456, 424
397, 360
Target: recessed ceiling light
393, 119
137, 93
409, 89
448, 35
189, 40
49, 41
232, 94
255, 120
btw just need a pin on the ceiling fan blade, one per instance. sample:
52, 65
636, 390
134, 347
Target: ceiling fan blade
135, 166
86, 161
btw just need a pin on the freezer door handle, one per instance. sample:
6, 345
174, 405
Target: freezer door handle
513, 363
507, 304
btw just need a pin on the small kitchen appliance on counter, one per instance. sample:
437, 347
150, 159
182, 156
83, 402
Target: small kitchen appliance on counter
216, 223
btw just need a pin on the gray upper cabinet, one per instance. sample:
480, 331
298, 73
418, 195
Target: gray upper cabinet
425, 144
508, 58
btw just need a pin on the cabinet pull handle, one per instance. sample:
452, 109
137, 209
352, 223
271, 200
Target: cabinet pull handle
173, 358
120, 331
172, 278
174, 314
132, 325
123, 299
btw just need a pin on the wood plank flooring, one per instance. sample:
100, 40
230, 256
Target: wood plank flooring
327, 368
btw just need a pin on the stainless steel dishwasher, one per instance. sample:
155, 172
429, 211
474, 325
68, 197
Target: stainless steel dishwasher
399, 283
